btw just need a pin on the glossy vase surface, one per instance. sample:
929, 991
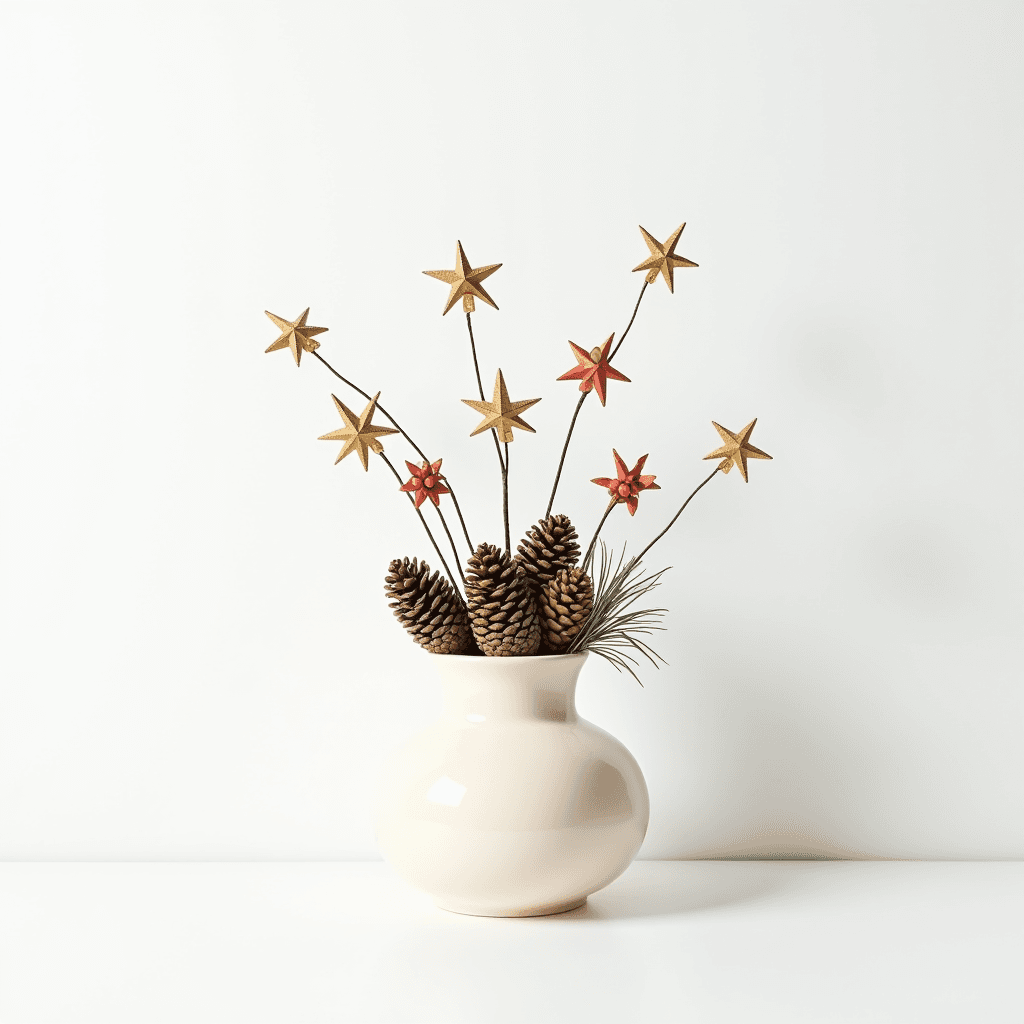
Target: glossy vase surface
510, 804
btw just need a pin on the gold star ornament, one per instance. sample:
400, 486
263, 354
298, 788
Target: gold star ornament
465, 282
501, 414
359, 433
737, 449
295, 334
663, 259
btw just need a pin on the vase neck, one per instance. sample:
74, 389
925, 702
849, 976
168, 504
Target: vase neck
478, 690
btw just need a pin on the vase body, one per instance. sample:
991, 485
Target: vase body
510, 804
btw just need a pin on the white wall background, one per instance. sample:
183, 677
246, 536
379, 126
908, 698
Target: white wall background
196, 657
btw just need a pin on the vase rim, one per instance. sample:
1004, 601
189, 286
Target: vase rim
523, 657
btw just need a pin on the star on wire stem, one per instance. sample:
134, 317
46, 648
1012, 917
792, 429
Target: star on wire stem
295, 335
628, 484
594, 370
736, 450
663, 259
465, 281
359, 433
426, 482
501, 414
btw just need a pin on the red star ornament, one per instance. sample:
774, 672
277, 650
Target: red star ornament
426, 482
629, 483
594, 371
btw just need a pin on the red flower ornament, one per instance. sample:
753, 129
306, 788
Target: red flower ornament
426, 482
593, 370
629, 483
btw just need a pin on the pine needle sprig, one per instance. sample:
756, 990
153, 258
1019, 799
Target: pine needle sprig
614, 629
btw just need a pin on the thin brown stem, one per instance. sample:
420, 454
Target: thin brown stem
458, 564
420, 514
380, 408
679, 513
583, 397
480, 385
593, 540
398, 427
504, 500
458, 512
476, 363
631, 319
565, 448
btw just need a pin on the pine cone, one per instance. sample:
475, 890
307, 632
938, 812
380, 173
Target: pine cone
565, 605
430, 610
502, 611
549, 547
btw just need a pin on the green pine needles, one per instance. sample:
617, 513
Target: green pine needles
614, 628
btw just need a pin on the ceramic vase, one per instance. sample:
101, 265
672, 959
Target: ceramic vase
510, 804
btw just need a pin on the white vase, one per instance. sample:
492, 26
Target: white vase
510, 804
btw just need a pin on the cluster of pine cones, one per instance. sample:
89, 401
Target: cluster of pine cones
533, 603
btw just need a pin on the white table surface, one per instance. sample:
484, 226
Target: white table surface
700, 941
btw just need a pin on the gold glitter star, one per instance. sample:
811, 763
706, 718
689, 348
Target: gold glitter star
295, 335
663, 259
501, 414
737, 449
359, 433
465, 281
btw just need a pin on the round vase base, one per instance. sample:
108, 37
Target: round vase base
542, 911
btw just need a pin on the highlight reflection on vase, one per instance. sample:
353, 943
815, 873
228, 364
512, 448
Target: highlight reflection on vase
510, 804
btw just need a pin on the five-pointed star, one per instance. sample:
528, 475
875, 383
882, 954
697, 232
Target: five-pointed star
465, 281
737, 449
663, 259
295, 335
501, 414
359, 433
593, 370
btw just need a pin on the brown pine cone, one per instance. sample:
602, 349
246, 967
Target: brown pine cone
502, 610
565, 605
431, 611
549, 547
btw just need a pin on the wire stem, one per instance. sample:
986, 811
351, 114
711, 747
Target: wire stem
504, 500
480, 386
397, 427
593, 540
579, 404
678, 514
422, 520
631, 319
451, 540
565, 448
458, 512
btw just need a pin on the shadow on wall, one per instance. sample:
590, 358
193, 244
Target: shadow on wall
777, 760
845, 685
778, 755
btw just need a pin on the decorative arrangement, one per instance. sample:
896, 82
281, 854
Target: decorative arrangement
511, 804
540, 598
